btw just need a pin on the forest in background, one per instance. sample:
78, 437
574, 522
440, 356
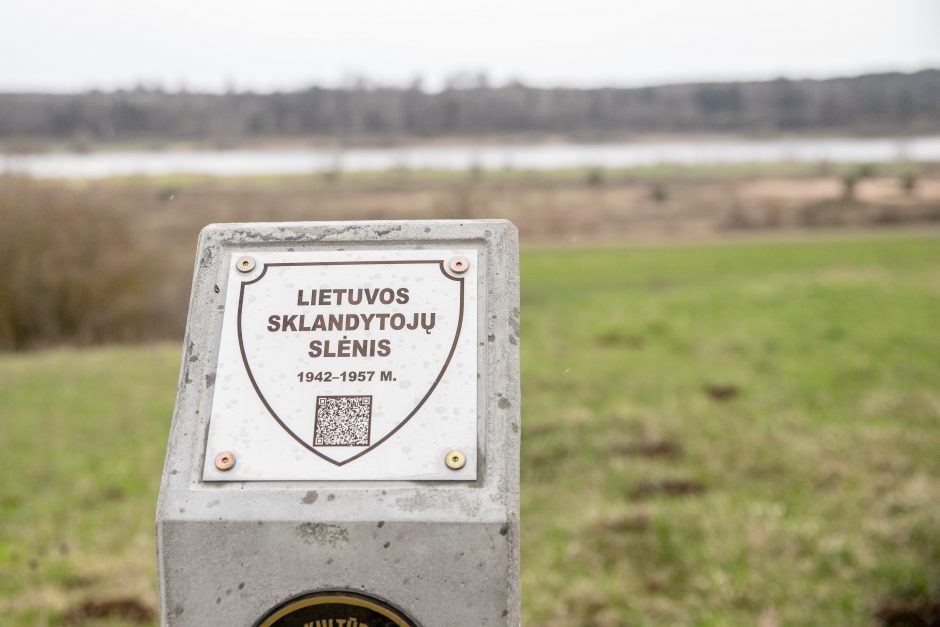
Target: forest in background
468, 107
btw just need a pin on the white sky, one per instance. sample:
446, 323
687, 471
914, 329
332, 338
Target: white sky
64, 45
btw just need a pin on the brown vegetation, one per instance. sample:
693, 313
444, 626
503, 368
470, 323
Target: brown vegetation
112, 260
70, 270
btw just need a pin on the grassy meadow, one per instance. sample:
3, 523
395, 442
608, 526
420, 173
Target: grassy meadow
714, 434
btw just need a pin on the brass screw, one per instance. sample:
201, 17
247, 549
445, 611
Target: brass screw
455, 460
245, 264
225, 460
459, 265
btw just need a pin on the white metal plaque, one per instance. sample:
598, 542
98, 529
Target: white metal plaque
352, 365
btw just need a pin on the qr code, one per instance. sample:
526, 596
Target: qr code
342, 421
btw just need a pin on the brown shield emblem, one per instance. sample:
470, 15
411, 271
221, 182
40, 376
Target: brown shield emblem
344, 353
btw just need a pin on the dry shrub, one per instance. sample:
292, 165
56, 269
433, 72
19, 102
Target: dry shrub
70, 272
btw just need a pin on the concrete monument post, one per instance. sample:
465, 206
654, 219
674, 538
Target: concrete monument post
345, 444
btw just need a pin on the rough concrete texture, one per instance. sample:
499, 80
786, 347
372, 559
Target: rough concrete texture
445, 553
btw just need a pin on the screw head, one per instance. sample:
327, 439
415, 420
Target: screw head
455, 460
459, 265
225, 460
245, 264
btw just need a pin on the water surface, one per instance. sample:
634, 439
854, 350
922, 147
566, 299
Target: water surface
488, 157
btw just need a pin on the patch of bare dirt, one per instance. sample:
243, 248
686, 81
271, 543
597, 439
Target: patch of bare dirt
617, 339
722, 391
652, 448
633, 523
667, 487
78, 582
899, 613
129, 609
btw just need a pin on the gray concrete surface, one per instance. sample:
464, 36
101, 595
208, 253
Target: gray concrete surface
445, 553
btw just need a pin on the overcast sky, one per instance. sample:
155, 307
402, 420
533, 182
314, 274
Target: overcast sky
66, 45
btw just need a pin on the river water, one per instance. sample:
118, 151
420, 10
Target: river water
487, 157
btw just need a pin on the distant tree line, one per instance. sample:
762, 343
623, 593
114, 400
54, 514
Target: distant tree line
871, 104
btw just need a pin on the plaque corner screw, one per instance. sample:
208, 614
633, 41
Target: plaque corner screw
225, 460
245, 264
459, 265
455, 460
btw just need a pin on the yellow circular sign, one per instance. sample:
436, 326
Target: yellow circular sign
335, 609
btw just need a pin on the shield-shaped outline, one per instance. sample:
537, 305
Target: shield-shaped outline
264, 401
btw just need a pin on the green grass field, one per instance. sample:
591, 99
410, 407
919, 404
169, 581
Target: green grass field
737, 434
